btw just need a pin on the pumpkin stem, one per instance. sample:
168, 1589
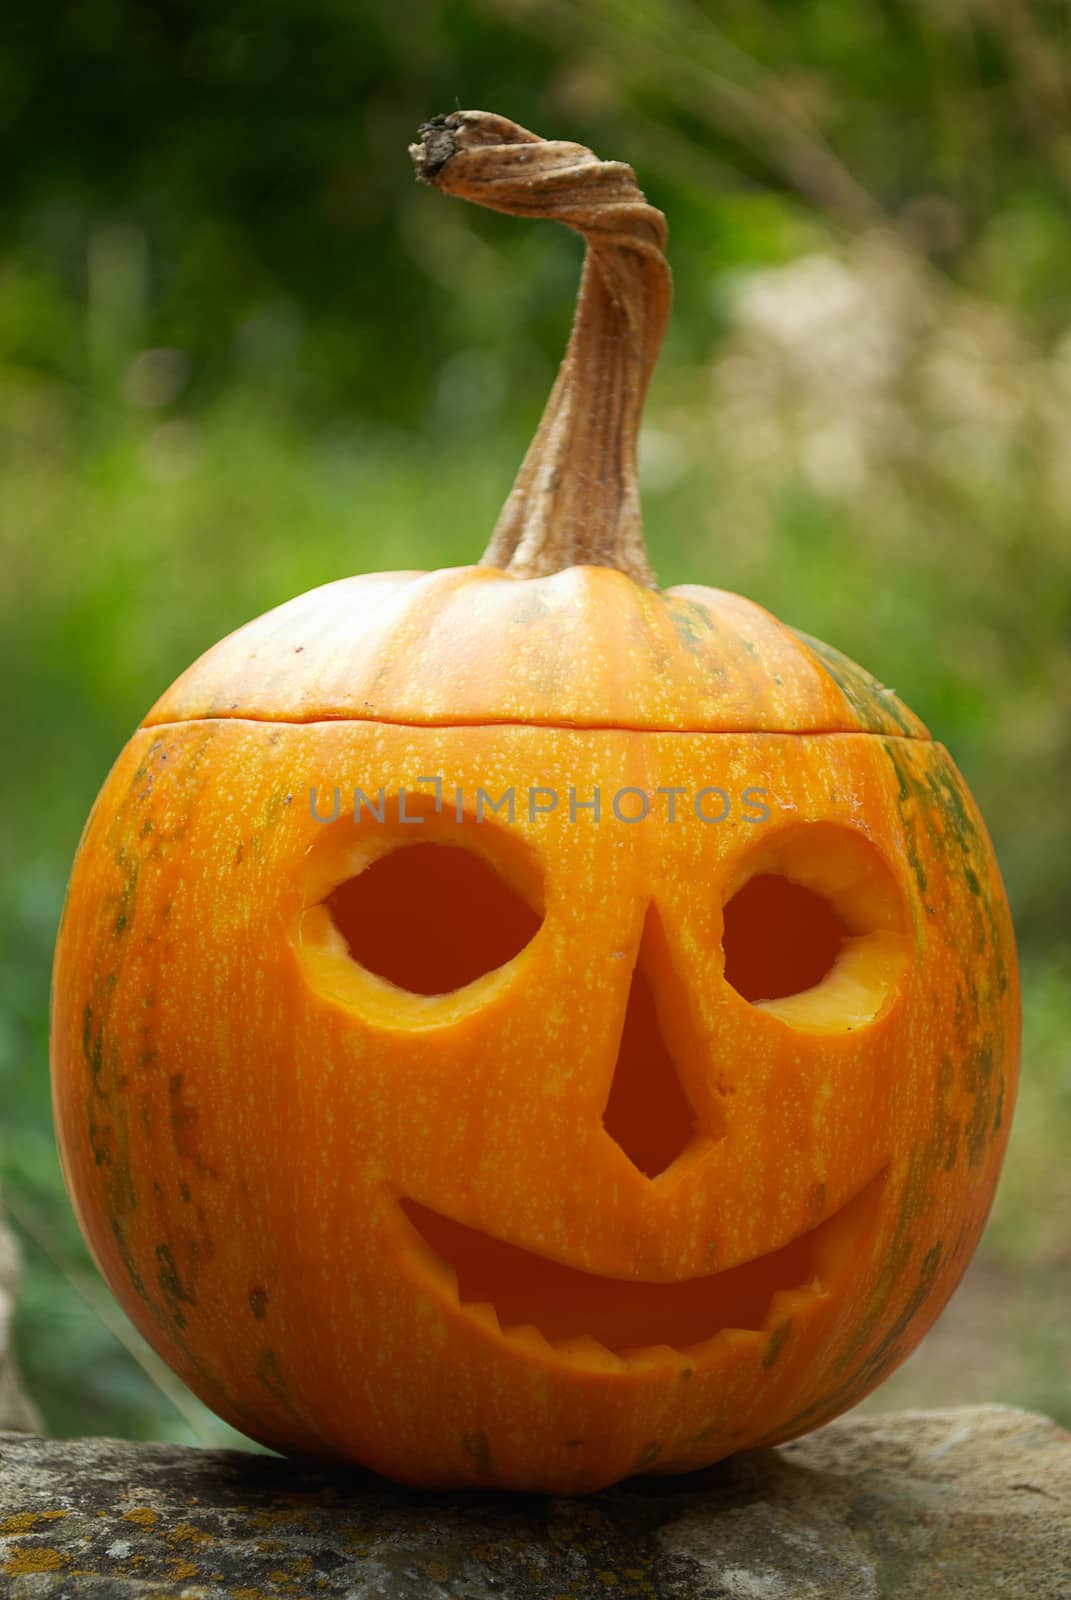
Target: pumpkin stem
576, 499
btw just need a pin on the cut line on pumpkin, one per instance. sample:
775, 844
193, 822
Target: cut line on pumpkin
319, 720
546, 1306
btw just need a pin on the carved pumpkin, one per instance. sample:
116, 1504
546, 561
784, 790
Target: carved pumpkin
526, 1144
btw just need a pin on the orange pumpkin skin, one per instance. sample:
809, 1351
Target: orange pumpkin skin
276, 1156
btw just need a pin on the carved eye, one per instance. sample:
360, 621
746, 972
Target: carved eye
405, 927
814, 928
431, 918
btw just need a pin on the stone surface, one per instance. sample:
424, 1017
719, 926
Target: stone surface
973, 1502
15, 1410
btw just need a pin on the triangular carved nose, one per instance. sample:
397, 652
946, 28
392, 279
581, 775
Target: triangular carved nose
648, 1113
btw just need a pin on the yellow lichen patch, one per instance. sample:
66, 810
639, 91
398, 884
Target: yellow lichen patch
183, 1568
26, 1521
35, 1560
144, 1516
186, 1533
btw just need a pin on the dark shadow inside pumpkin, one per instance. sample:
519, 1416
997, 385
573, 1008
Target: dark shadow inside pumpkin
780, 938
431, 918
564, 1302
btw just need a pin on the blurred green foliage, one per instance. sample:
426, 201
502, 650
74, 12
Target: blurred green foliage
242, 353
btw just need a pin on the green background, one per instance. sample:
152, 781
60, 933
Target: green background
243, 353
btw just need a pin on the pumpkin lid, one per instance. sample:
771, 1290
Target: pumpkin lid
587, 647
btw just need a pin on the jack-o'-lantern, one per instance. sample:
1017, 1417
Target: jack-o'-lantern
516, 1026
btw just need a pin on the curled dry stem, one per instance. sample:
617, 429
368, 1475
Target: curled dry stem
576, 499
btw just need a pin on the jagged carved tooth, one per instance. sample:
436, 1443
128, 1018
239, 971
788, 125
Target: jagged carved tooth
484, 1312
653, 1355
528, 1335
788, 1303
723, 1342
582, 1347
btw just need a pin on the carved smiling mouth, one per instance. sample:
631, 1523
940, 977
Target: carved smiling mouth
523, 1293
